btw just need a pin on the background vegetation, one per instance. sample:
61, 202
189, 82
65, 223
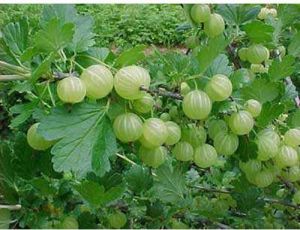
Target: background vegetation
118, 25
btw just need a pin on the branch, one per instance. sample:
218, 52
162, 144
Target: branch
230, 49
287, 183
282, 202
13, 68
162, 92
212, 190
265, 199
12, 77
11, 207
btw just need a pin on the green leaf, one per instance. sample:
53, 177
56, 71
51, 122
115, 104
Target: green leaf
246, 195
294, 119
43, 186
259, 32
169, 185
269, 112
247, 149
208, 53
54, 36
261, 90
288, 13
240, 78
294, 46
238, 13
131, 56
86, 140
90, 57
283, 69
219, 66
96, 195
83, 36
138, 179
15, 36
24, 112
43, 68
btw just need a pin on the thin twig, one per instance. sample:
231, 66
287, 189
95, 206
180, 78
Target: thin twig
162, 92
212, 190
265, 199
284, 203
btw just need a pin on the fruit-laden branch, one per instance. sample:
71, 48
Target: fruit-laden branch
162, 92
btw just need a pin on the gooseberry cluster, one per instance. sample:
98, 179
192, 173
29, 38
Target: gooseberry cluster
266, 11
199, 137
214, 24
187, 142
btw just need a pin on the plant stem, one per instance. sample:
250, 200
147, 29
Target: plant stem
12, 77
80, 66
50, 94
161, 92
265, 199
98, 61
11, 207
126, 158
13, 68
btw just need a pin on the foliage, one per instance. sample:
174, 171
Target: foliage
118, 25
90, 179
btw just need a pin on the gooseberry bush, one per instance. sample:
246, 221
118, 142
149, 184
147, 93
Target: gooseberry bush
204, 139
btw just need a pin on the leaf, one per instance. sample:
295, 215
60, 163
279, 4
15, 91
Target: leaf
238, 13
83, 36
86, 140
15, 36
43, 186
24, 112
258, 32
246, 195
7, 174
54, 36
283, 69
95, 194
269, 112
131, 56
294, 119
247, 149
288, 13
83, 32
240, 78
219, 66
207, 54
170, 184
43, 68
138, 179
86, 59
294, 46
261, 90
